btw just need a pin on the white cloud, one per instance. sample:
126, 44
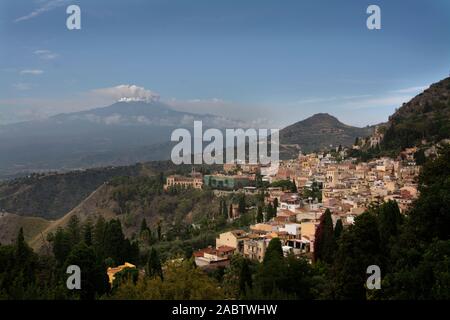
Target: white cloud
126, 92
330, 99
386, 101
411, 90
34, 72
44, 7
46, 54
22, 86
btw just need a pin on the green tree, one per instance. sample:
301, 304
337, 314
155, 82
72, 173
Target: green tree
154, 268
359, 248
294, 186
225, 210
241, 204
338, 229
99, 237
325, 243
275, 203
74, 230
259, 215
94, 281
61, 245
269, 212
87, 234
271, 273
245, 278
144, 226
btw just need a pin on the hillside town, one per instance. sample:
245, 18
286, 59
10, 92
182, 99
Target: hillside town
330, 181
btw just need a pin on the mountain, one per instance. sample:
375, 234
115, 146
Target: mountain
426, 118
120, 134
321, 131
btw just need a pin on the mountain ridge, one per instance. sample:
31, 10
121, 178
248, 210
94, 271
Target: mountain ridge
321, 131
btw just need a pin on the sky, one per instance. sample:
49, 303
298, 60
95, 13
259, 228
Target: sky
269, 62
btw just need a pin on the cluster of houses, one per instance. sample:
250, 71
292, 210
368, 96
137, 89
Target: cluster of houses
343, 186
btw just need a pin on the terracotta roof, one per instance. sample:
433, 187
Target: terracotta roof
201, 252
225, 249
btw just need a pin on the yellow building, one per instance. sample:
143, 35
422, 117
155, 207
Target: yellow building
112, 271
232, 239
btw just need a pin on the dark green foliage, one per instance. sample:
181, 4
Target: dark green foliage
144, 225
245, 278
224, 210
286, 185
61, 245
419, 257
259, 215
315, 192
325, 243
430, 216
338, 229
280, 277
154, 268
419, 157
275, 203
88, 233
126, 275
94, 280
241, 204
359, 248
270, 212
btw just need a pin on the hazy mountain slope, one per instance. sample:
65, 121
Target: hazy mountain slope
130, 200
121, 134
11, 223
53, 195
319, 132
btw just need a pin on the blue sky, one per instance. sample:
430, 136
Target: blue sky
271, 62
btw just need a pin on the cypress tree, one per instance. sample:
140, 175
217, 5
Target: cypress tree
324, 243
259, 215
224, 210
338, 229
154, 268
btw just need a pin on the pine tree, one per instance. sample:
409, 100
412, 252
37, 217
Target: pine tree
74, 230
87, 234
99, 237
61, 245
